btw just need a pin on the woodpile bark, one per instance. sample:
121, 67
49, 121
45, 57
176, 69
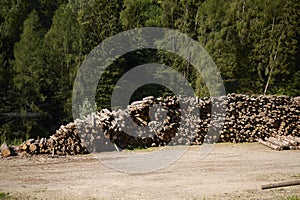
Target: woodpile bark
6, 150
282, 142
65, 141
247, 119
152, 122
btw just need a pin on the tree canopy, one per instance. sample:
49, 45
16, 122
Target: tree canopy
255, 45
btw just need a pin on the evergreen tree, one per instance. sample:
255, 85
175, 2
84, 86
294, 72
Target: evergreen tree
141, 13
274, 45
170, 13
255, 45
28, 69
64, 55
187, 22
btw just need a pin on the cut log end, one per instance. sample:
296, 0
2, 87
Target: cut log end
6, 151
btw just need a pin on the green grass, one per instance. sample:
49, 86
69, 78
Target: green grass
14, 142
4, 195
291, 198
7, 196
295, 175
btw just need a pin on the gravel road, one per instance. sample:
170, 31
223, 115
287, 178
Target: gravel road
230, 171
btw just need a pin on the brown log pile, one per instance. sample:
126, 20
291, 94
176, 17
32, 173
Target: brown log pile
151, 122
65, 141
247, 119
282, 142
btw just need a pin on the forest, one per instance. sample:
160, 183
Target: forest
254, 43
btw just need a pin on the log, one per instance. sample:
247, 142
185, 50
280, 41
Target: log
269, 144
297, 139
33, 148
280, 184
23, 146
6, 150
291, 142
278, 142
294, 139
29, 141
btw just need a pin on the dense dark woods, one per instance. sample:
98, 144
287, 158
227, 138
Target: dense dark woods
255, 45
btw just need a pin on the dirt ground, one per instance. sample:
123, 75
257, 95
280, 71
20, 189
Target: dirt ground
230, 171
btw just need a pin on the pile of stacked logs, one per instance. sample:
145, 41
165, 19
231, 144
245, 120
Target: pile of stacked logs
247, 119
33, 146
282, 142
151, 122
65, 141
154, 122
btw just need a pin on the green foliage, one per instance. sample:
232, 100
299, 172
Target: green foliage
6, 196
3, 195
291, 198
141, 13
28, 71
255, 45
12, 15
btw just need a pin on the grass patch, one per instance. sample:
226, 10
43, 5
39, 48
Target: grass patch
5, 196
291, 198
295, 175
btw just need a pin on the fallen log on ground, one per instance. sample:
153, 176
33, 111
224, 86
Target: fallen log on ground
281, 142
6, 150
281, 184
270, 144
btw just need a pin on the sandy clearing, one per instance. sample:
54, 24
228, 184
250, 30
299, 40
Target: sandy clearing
229, 171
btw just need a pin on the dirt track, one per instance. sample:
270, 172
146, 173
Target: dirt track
229, 171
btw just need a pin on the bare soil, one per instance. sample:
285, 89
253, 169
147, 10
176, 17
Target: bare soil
230, 171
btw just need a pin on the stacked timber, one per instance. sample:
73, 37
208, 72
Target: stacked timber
153, 122
65, 141
282, 142
246, 119
250, 118
33, 146
94, 131
158, 122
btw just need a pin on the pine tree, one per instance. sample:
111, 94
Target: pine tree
28, 69
274, 45
141, 13
287, 77
64, 47
170, 13
187, 22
